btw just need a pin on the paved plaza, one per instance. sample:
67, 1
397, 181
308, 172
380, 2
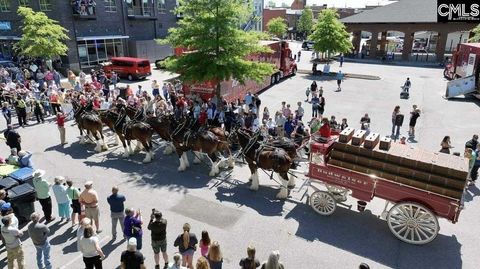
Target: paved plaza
237, 217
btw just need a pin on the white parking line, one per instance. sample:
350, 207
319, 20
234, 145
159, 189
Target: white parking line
81, 256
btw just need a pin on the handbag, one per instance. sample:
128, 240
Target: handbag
135, 230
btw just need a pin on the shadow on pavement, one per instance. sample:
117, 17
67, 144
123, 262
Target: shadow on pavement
366, 235
466, 99
61, 238
111, 246
470, 193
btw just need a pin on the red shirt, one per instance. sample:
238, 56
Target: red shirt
203, 117
325, 131
96, 104
61, 120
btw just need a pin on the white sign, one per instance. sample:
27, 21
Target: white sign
470, 65
460, 86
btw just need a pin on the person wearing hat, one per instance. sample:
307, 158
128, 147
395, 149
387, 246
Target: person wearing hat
42, 188
25, 159
132, 258
12, 138
11, 237
89, 199
7, 212
61, 195
38, 232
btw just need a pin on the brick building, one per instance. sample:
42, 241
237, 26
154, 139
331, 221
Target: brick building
110, 28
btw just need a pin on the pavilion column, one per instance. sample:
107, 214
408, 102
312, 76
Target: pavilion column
357, 38
441, 44
407, 46
383, 43
373, 45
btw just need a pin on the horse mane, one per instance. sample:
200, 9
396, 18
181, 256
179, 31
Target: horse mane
282, 142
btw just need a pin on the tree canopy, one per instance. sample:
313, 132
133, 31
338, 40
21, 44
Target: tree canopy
41, 36
277, 27
305, 23
476, 34
330, 35
218, 48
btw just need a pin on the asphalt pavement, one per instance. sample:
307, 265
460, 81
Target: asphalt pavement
237, 217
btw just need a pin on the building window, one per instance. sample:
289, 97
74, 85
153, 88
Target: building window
45, 5
4, 5
93, 52
139, 7
84, 7
161, 6
24, 3
110, 5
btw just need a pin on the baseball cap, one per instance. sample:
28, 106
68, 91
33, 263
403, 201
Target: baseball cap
6, 206
132, 241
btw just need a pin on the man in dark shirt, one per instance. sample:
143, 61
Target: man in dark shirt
132, 258
13, 138
472, 143
158, 226
116, 202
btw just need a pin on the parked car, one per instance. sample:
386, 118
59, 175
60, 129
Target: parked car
159, 63
307, 45
128, 67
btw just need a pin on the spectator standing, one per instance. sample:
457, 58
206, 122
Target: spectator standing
299, 54
61, 127
42, 188
38, 232
74, 195
71, 78
133, 226
273, 261
313, 87
89, 199
300, 111
476, 165
21, 106
340, 78
202, 263
158, 227
341, 60
407, 85
177, 262
248, 99
446, 145
186, 243
215, 258
395, 113
90, 247
204, 243
25, 159
250, 262
3, 195
321, 104
7, 113
11, 238
7, 212
12, 158
414, 115
280, 122
289, 126
315, 105
63, 202
307, 93
38, 111
472, 143
117, 208
13, 139
132, 258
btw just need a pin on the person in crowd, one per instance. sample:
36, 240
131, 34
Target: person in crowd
177, 262
21, 106
471, 156
325, 130
132, 258
13, 139
472, 143
3, 196
74, 196
7, 113
133, 226
117, 208
186, 243
39, 232
333, 122
11, 238
25, 159
407, 85
307, 93
61, 127
289, 126
6, 211
84, 223
340, 78
89, 246
273, 261
344, 124
42, 189
321, 103
72, 78
89, 199
414, 115
204, 243
446, 145
250, 262
397, 120
214, 257
158, 227
38, 111
266, 114
61, 195
313, 87
315, 125
13, 157
202, 263
476, 166
315, 105
364, 121
300, 111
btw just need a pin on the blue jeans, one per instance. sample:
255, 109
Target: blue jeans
43, 250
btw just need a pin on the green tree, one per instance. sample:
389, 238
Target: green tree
330, 35
218, 48
476, 34
41, 36
305, 23
277, 27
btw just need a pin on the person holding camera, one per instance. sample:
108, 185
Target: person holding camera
158, 227
133, 226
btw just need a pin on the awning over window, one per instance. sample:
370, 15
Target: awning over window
9, 38
84, 38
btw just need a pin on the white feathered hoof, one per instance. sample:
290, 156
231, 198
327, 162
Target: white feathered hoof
98, 147
168, 150
231, 162
283, 194
291, 182
212, 172
148, 158
254, 187
181, 168
254, 182
196, 160
130, 151
82, 140
125, 154
105, 146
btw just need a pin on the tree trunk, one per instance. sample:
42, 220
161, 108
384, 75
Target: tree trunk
218, 94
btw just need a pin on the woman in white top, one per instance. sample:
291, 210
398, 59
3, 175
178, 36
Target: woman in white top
90, 247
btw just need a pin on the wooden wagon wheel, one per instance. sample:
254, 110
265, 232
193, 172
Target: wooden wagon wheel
323, 203
412, 223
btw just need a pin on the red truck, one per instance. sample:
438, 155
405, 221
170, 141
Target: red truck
231, 90
463, 70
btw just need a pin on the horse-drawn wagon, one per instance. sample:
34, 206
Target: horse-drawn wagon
421, 185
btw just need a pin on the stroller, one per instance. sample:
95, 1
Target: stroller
404, 94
